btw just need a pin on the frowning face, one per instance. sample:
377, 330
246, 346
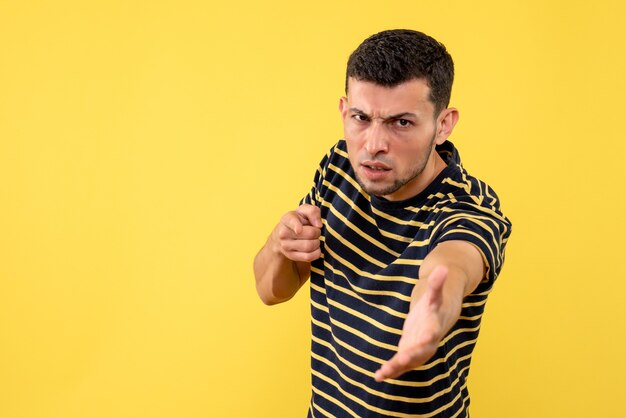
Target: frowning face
391, 134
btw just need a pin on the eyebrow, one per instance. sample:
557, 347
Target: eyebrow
390, 117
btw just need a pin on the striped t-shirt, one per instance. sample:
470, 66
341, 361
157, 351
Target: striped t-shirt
372, 249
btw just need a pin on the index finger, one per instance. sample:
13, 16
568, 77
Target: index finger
310, 214
293, 221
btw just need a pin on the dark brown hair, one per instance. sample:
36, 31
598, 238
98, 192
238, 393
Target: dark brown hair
392, 57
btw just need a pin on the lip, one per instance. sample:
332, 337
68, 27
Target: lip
375, 170
375, 164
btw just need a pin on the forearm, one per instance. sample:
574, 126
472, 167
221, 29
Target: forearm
465, 268
450, 272
277, 278
452, 294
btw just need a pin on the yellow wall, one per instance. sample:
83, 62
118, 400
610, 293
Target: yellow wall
147, 149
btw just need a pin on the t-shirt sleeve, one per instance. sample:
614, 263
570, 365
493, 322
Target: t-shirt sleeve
484, 226
313, 196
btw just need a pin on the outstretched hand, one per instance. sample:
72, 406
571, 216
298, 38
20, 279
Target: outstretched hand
426, 324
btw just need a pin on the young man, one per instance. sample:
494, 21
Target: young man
401, 244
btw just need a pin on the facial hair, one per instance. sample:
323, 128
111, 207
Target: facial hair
399, 183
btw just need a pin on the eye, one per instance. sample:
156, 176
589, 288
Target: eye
404, 123
360, 117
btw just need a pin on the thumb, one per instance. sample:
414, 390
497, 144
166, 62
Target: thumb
310, 215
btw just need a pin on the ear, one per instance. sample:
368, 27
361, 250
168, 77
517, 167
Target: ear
343, 107
446, 121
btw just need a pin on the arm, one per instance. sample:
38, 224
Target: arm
451, 271
284, 262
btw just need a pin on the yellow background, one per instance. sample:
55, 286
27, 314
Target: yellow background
148, 148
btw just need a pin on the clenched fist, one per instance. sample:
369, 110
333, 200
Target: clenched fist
297, 234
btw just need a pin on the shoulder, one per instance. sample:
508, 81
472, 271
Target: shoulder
334, 174
335, 165
460, 188
464, 201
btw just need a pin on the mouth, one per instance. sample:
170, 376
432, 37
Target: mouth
375, 165
374, 170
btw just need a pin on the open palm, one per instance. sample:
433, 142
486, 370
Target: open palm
423, 328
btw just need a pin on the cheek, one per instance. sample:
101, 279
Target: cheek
348, 132
407, 154
353, 142
352, 148
354, 130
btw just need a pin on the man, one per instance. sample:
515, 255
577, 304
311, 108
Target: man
401, 244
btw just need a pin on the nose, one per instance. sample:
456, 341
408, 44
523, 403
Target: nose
376, 139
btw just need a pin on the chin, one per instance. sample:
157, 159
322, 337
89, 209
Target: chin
377, 189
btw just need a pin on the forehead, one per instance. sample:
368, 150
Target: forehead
376, 100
